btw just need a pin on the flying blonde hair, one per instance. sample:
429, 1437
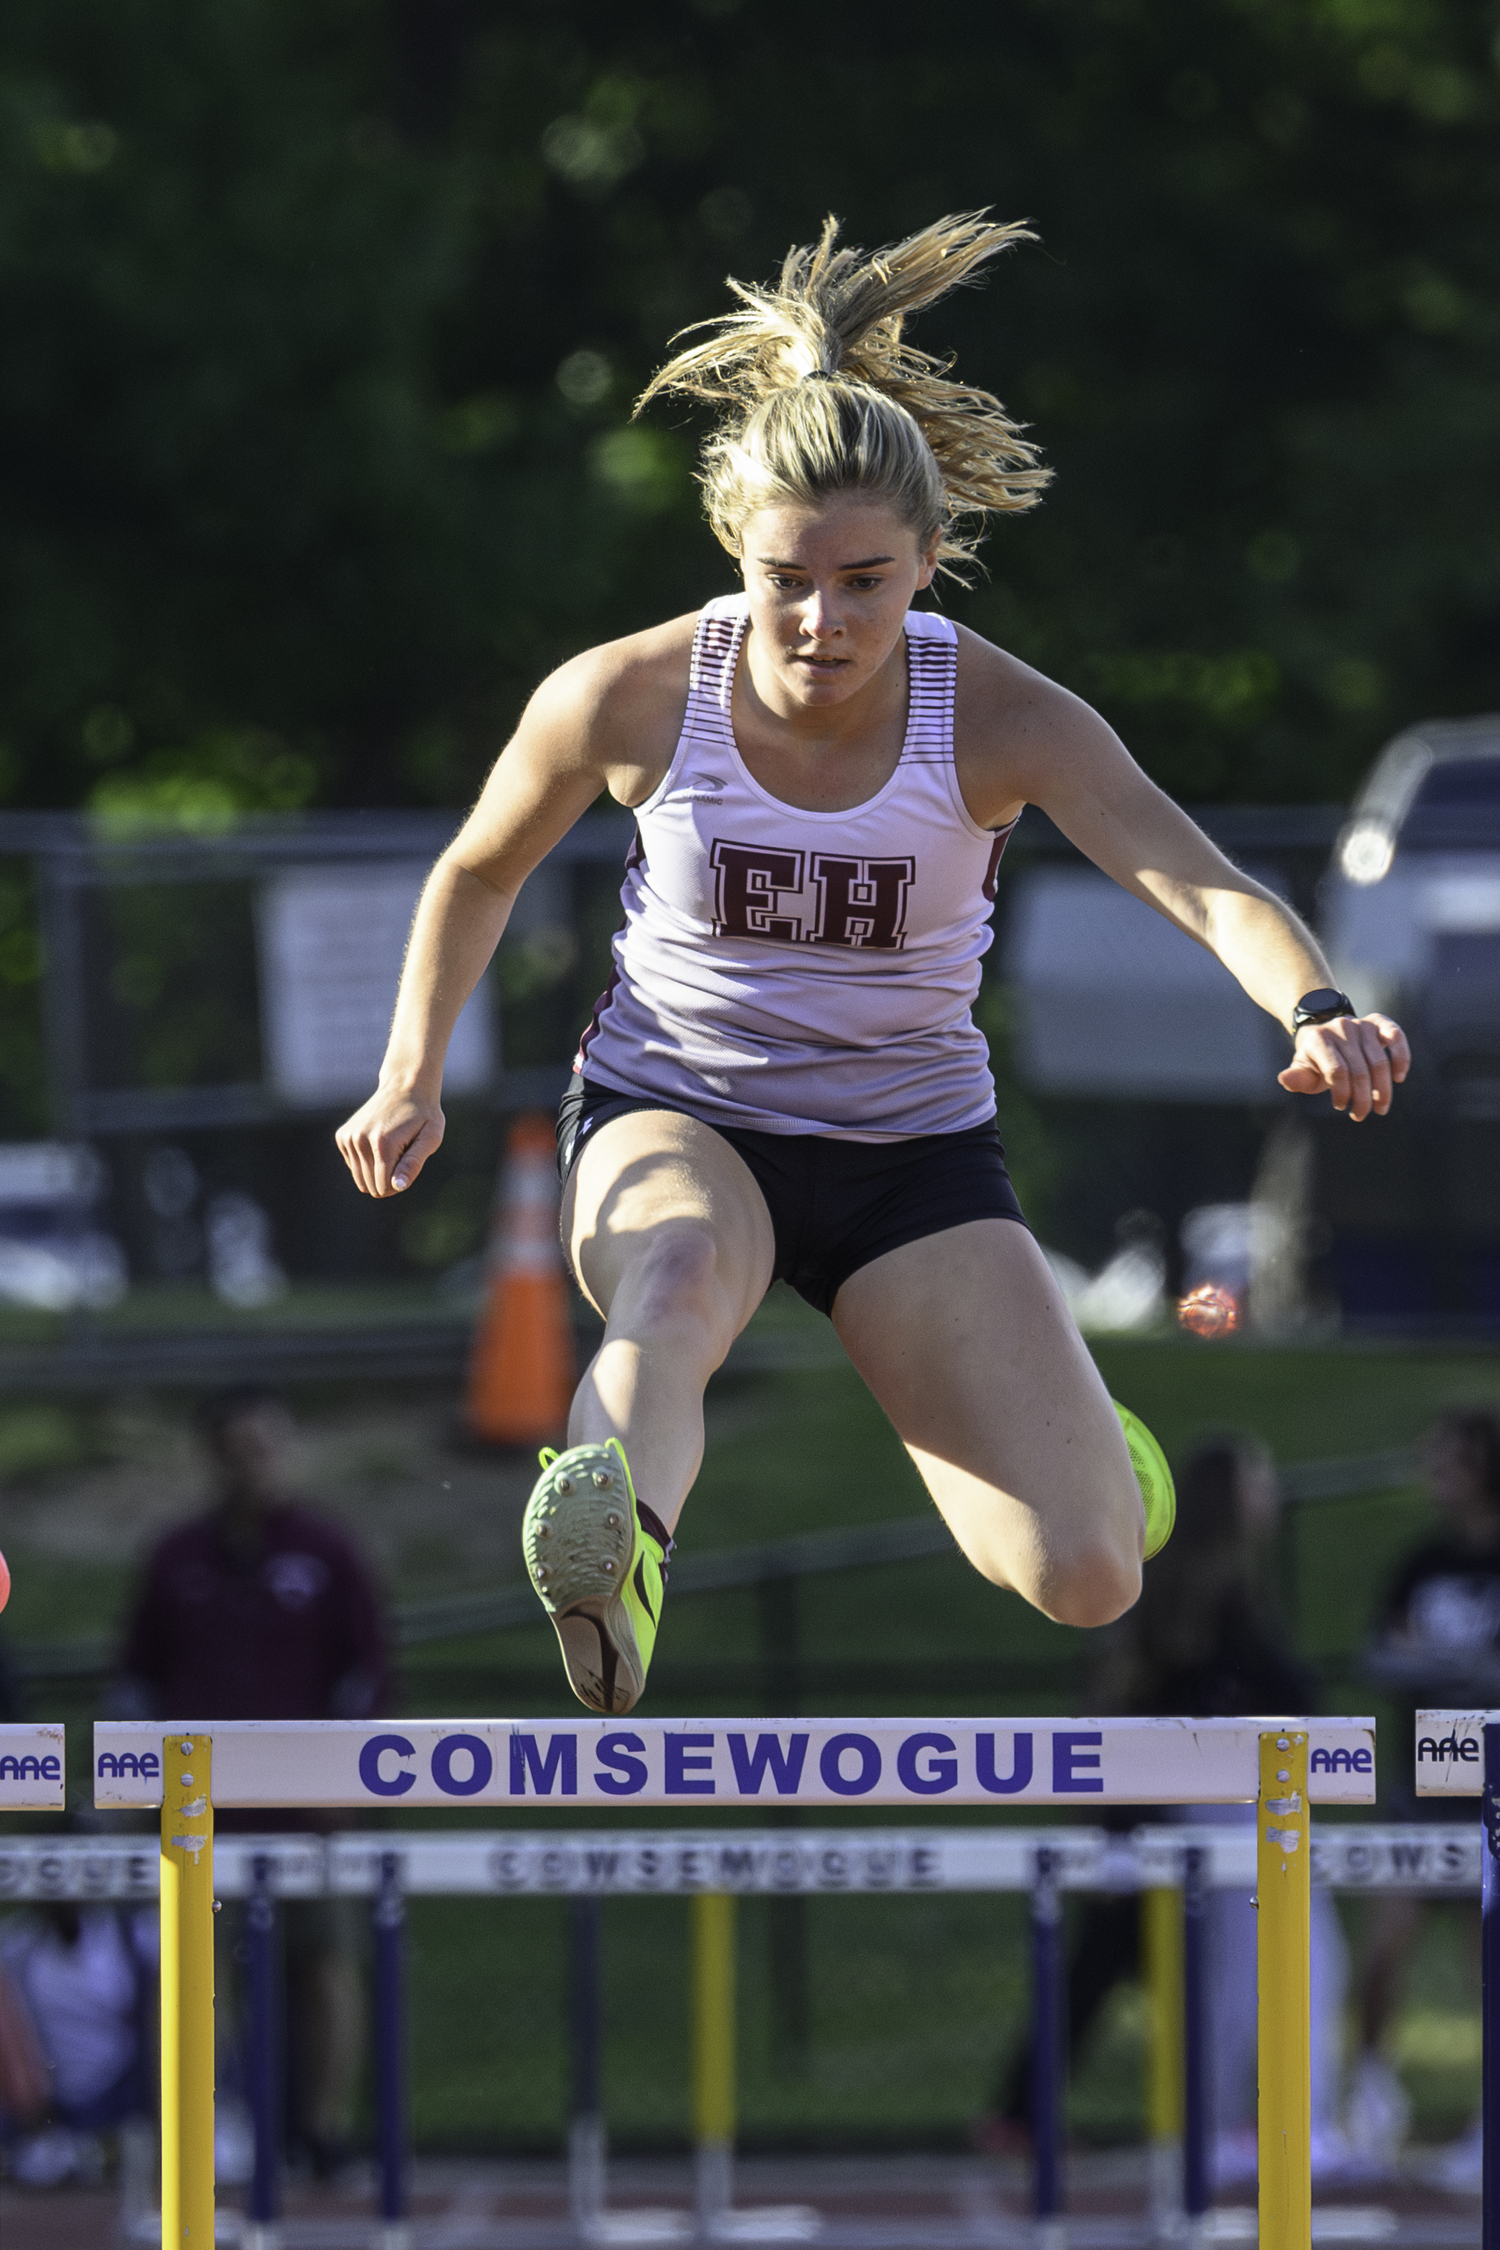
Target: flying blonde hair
823, 396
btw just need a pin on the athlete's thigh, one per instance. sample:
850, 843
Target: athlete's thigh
966, 1342
654, 1175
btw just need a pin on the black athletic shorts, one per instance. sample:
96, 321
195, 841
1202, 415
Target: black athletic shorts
834, 1205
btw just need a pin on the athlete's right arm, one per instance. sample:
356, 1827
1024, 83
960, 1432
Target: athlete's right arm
590, 727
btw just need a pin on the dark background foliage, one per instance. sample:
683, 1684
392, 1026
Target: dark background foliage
321, 326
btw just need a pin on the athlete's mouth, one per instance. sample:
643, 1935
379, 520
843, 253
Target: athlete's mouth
822, 663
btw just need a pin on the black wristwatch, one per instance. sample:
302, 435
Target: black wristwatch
1320, 1007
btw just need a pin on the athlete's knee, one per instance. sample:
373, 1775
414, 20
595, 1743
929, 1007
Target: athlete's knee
675, 1285
1080, 1572
1092, 1578
1097, 1593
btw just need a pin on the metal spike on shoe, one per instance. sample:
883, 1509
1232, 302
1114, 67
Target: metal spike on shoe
597, 1571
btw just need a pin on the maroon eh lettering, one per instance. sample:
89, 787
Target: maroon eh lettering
860, 902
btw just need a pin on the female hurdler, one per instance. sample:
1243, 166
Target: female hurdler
782, 1077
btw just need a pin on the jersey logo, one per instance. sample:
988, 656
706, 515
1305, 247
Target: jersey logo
810, 898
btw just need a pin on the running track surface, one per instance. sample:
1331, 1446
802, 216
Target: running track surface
880, 2203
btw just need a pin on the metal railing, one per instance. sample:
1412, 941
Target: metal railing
773, 1567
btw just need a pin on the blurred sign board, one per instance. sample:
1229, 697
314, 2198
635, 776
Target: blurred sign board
331, 941
1111, 999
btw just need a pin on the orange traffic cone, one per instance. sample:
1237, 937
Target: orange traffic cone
522, 1369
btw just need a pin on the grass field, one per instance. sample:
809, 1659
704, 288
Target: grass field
912, 2005
915, 2007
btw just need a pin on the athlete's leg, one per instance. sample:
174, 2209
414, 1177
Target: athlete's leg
965, 1341
672, 1242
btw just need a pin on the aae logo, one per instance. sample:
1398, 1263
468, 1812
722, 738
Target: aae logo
1440, 1749
1340, 1761
146, 1767
30, 1768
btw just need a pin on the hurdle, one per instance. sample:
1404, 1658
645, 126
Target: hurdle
1458, 1755
188, 1770
579, 1868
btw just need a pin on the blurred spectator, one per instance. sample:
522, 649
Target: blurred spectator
75, 2035
1204, 1642
23, 2066
1437, 1643
261, 1608
10, 1690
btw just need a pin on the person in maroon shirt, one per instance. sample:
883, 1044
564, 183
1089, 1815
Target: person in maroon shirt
260, 1608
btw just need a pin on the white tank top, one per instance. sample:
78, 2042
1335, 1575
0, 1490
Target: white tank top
804, 972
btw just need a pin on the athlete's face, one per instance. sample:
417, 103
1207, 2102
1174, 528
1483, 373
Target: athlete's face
829, 588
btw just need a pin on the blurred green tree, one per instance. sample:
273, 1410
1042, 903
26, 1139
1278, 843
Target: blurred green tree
322, 327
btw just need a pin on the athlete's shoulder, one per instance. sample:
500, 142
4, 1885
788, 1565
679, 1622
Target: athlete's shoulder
997, 685
1016, 732
623, 680
614, 711
1001, 700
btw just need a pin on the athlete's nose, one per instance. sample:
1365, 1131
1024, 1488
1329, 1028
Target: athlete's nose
820, 620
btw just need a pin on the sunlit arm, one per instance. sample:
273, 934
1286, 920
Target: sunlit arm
459, 921
1265, 946
543, 781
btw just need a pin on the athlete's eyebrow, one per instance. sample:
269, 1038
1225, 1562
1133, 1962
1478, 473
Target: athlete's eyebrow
871, 561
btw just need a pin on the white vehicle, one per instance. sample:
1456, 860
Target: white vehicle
1411, 905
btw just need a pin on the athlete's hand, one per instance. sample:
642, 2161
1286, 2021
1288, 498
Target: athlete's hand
386, 1143
1358, 1060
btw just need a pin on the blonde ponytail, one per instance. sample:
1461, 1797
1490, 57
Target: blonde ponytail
823, 396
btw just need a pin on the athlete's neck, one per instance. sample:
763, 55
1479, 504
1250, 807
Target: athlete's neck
811, 712
828, 758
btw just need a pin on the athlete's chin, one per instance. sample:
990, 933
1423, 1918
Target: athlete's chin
823, 683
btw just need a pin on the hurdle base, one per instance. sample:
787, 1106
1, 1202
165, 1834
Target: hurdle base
769, 2222
713, 2185
718, 2221
1165, 2190
645, 2227
586, 2161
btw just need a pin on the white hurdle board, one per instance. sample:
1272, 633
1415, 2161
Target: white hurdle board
32, 1769
744, 1861
528, 1863
1450, 1752
684, 1763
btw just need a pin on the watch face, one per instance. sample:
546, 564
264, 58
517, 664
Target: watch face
1314, 1007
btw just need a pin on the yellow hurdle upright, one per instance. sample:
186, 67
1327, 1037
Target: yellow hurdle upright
1162, 1956
1283, 1893
187, 1993
713, 1919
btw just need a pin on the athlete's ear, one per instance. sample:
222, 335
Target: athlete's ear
927, 568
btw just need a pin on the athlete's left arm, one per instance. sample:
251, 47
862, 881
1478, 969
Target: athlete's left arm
1027, 739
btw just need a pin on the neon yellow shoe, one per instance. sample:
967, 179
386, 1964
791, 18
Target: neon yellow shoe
1154, 1478
597, 1557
